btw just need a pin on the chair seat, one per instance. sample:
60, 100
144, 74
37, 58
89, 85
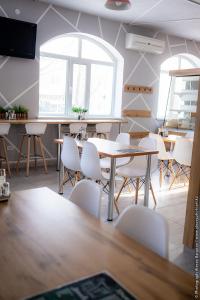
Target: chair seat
106, 162
166, 156
131, 171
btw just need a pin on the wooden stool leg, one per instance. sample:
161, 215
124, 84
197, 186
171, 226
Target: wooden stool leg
28, 154
161, 172
20, 154
123, 185
34, 149
152, 191
6, 156
137, 190
42, 152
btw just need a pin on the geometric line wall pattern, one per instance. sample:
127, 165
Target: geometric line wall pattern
139, 68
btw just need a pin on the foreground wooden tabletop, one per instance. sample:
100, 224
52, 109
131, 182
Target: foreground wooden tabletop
47, 241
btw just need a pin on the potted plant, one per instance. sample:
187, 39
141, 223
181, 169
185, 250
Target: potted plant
2, 113
21, 112
79, 111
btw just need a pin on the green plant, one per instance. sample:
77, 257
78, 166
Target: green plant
79, 110
2, 110
20, 109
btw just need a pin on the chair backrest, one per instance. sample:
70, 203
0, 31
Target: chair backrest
75, 128
103, 127
70, 154
183, 151
4, 128
123, 138
87, 195
160, 145
189, 134
90, 163
35, 128
141, 161
145, 226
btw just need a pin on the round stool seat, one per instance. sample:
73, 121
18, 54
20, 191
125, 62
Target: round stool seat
75, 128
4, 128
35, 128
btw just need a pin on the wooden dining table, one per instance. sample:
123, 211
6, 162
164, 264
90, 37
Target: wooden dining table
114, 150
46, 241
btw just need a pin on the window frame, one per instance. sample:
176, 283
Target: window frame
180, 56
71, 60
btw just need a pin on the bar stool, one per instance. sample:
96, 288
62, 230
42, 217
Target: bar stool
103, 130
33, 132
75, 128
4, 130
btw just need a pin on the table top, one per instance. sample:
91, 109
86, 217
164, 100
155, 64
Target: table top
63, 121
47, 241
172, 138
113, 149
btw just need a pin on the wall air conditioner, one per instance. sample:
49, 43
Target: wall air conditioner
144, 44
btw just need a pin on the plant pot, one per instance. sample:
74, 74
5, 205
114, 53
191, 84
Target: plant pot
21, 116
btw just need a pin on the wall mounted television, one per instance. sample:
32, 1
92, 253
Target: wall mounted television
17, 38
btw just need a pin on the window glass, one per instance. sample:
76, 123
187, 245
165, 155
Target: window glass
92, 51
79, 85
64, 46
53, 74
101, 90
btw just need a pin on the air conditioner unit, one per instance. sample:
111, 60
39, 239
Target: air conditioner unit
145, 44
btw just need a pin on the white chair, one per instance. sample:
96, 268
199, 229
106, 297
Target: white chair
183, 156
33, 132
75, 128
103, 129
123, 139
71, 160
189, 135
135, 171
87, 195
4, 130
145, 226
90, 166
165, 158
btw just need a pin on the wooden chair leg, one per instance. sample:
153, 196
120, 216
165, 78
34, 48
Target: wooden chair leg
123, 185
20, 154
42, 153
137, 190
28, 154
6, 156
175, 176
161, 172
116, 207
153, 195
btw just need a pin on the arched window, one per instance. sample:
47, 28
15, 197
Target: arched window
177, 62
80, 70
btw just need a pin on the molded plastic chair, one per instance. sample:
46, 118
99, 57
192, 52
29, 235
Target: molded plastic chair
71, 159
4, 130
103, 129
165, 157
34, 132
90, 166
87, 195
183, 156
145, 226
136, 170
123, 139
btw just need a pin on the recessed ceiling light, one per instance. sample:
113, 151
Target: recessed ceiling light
195, 1
118, 4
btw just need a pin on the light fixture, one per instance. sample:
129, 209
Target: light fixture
195, 1
118, 4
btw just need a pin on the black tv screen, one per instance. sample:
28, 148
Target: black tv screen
17, 38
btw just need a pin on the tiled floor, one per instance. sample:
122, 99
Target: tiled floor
171, 204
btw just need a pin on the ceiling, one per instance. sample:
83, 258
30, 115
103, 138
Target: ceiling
177, 17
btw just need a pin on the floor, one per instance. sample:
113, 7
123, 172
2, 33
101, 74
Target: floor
171, 204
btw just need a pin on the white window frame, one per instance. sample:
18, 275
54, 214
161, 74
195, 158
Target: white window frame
180, 57
88, 62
